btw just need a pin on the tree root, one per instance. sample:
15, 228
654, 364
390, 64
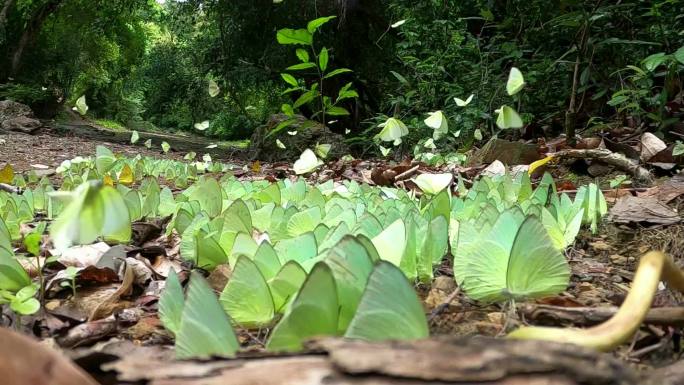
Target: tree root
641, 175
653, 267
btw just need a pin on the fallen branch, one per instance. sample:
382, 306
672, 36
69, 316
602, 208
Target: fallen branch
589, 316
640, 174
653, 267
444, 305
406, 174
9, 189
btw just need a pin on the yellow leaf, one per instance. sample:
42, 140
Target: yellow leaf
536, 164
7, 174
108, 181
256, 167
126, 175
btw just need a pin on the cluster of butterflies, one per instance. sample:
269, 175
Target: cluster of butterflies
350, 293
507, 240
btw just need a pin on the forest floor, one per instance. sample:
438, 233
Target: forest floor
602, 265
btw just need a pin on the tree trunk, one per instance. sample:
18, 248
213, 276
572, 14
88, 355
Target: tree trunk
32, 29
3, 17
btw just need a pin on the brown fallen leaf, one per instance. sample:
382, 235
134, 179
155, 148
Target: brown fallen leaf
109, 304
650, 146
27, 362
631, 209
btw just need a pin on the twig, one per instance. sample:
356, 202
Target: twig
653, 267
640, 174
442, 306
406, 174
587, 316
9, 189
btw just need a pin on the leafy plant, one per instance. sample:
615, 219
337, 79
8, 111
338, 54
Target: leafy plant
312, 59
647, 88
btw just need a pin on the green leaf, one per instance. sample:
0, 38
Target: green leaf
654, 61
287, 109
171, 303
301, 66
247, 297
389, 308
302, 55
314, 25
294, 36
283, 125
289, 79
205, 329
679, 54
305, 98
336, 72
314, 312
399, 77
27, 307
323, 58
13, 277
32, 243
678, 149
337, 111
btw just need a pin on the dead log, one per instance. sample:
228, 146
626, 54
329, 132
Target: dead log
641, 175
446, 360
589, 316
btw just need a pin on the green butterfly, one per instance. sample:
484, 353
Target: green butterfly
201, 327
515, 261
508, 118
515, 82
261, 288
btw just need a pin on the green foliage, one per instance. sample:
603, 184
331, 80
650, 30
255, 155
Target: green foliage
323, 106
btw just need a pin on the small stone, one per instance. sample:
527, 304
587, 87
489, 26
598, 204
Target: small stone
444, 283
618, 259
616, 278
585, 287
497, 317
600, 245
599, 169
218, 279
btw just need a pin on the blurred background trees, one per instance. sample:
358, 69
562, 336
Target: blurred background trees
147, 63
